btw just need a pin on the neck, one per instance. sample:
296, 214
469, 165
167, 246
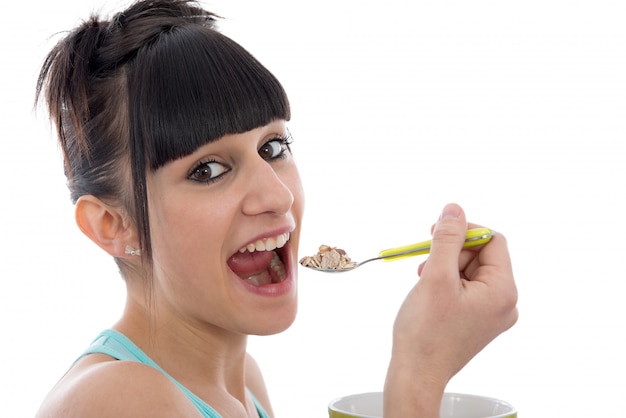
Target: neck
198, 355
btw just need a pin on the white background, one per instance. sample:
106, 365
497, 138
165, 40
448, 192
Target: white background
515, 110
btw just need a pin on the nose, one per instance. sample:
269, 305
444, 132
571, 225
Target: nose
266, 192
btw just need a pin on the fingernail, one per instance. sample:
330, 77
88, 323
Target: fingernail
451, 211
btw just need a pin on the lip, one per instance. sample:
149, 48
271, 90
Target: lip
266, 235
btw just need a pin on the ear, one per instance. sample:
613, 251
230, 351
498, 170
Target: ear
105, 225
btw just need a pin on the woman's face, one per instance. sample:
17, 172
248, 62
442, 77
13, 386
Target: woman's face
225, 226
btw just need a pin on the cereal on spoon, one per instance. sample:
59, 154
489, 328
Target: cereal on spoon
328, 258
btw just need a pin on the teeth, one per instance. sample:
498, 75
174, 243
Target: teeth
278, 267
267, 244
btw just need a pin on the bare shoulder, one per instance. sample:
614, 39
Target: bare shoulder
256, 384
98, 386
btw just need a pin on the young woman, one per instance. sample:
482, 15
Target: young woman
178, 159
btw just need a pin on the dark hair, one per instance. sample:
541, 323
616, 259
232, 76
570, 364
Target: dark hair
149, 86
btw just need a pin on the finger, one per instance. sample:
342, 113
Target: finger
468, 262
492, 267
448, 238
495, 255
467, 256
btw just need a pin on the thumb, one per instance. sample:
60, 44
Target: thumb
447, 242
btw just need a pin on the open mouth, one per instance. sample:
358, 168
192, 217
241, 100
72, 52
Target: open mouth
261, 263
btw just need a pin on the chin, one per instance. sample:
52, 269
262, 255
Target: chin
271, 323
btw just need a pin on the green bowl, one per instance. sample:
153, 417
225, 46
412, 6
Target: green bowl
453, 405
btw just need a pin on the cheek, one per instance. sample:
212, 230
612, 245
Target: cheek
181, 229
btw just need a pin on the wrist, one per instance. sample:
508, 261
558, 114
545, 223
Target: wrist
413, 391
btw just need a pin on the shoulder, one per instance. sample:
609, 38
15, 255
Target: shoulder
98, 386
256, 384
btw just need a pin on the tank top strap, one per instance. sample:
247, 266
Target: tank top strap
117, 345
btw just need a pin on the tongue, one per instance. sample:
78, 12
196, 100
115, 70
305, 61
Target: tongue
246, 264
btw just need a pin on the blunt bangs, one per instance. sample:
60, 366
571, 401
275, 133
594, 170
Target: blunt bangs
194, 85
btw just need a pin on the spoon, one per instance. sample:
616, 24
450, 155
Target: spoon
473, 238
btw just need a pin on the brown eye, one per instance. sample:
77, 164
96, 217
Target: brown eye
208, 171
273, 149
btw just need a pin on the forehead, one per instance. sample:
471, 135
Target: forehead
253, 138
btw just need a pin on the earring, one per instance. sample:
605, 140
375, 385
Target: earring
131, 251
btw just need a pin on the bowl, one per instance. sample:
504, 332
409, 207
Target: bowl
453, 405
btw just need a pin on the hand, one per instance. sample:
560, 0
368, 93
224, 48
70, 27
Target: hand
463, 300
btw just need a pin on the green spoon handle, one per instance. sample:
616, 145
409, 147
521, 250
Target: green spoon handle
474, 238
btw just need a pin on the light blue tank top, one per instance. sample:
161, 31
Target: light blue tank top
116, 345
